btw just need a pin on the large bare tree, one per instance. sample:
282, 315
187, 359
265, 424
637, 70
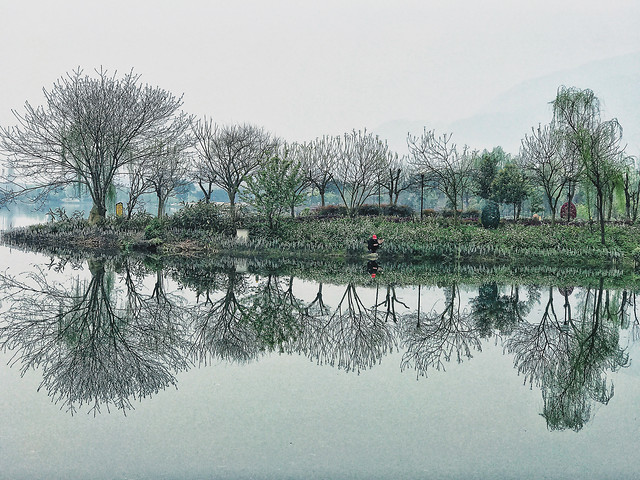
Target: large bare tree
319, 158
227, 154
447, 168
87, 131
359, 166
542, 160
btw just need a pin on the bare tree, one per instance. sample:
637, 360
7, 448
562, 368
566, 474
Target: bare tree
396, 176
440, 161
441, 336
360, 161
167, 173
318, 159
136, 185
542, 160
88, 131
96, 345
227, 154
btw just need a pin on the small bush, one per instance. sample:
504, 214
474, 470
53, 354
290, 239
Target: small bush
397, 210
202, 216
471, 214
490, 215
449, 213
369, 211
429, 212
329, 211
155, 229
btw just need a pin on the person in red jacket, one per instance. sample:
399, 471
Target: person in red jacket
373, 243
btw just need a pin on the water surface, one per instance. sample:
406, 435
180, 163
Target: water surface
131, 369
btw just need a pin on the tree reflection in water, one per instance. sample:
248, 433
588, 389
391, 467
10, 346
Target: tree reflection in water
96, 345
569, 360
220, 326
351, 336
101, 342
433, 339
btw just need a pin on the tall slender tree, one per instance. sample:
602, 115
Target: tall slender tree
576, 116
541, 158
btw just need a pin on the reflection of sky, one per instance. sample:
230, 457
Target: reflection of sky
286, 417
14, 219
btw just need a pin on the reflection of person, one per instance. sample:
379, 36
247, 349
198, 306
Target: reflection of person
372, 268
373, 243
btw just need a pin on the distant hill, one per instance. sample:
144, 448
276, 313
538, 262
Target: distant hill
505, 120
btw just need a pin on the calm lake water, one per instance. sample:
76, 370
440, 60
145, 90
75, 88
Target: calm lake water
128, 369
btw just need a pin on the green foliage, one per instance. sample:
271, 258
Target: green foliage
471, 214
273, 188
392, 210
330, 211
487, 170
156, 229
369, 210
510, 186
201, 215
449, 213
536, 202
490, 217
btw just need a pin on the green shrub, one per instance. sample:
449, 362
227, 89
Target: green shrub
330, 211
449, 213
155, 229
202, 216
397, 210
472, 214
369, 210
490, 217
429, 212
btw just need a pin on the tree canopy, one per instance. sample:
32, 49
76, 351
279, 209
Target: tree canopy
88, 130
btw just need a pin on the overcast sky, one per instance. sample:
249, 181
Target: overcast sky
303, 69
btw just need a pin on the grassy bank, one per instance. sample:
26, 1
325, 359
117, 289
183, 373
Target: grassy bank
205, 231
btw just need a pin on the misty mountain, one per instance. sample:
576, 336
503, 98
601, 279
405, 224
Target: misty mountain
505, 120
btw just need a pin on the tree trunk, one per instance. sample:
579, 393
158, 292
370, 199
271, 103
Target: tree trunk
97, 214
205, 191
600, 209
161, 201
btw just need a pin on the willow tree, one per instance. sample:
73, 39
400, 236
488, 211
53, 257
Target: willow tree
89, 129
576, 116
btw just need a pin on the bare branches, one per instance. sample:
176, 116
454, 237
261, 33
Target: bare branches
440, 161
88, 130
360, 163
541, 157
227, 154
